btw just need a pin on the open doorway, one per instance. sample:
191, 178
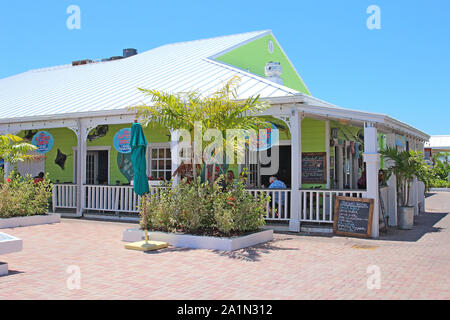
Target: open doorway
97, 165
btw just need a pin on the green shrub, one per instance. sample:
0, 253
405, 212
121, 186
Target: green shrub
204, 208
20, 196
437, 183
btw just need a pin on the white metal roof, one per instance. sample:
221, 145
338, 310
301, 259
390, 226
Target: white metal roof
439, 142
112, 85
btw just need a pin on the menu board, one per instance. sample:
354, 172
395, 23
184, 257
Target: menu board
314, 167
353, 216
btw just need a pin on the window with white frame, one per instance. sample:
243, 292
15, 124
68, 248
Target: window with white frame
160, 162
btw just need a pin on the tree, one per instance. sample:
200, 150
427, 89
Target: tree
222, 110
14, 149
407, 166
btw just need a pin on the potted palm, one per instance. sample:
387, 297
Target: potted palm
407, 166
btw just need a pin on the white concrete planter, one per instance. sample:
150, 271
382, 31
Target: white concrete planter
29, 220
8, 244
201, 242
405, 218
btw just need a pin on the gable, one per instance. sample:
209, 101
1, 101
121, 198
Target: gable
254, 56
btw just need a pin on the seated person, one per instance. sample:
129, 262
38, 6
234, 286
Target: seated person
39, 177
277, 184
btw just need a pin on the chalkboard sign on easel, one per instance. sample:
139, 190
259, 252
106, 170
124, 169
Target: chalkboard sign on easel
353, 216
314, 167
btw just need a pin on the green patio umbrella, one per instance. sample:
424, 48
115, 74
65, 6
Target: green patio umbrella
138, 145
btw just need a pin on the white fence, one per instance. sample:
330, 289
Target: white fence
64, 196
113, 198
318, 205
315, 205
278, 208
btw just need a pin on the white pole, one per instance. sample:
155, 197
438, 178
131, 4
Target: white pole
327, 149
296, 170
372, 160
392, 184
174, 152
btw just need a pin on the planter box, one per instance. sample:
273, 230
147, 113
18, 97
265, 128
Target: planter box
8, 244
29, 220
201, 242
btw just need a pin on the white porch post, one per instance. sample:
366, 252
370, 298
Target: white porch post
296, 170
392, 185
327, 149
372, 160
174, 151
81, 131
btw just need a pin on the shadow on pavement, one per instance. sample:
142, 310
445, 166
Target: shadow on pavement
253, 254
424, 223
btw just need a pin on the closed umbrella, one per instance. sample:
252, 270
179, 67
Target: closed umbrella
138, 145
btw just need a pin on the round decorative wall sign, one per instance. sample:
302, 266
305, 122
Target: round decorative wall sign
44, 142
267, 138
122, 140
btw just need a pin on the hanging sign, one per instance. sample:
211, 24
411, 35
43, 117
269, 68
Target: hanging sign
400, 141
267, 138
122, 140
44, 142
314, 167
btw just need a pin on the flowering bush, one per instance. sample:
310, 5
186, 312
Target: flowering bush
204, 208
21, 196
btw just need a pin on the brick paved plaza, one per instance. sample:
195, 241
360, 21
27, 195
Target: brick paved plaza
413, 264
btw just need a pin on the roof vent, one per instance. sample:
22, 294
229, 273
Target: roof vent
129, 52
81, 62
273, 72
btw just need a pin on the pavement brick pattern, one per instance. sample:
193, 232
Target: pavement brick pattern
413, 265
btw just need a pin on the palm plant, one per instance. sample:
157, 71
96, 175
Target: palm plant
222, 110
14, 149
407, 166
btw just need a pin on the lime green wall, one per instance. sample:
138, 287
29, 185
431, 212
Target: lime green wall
153, 135
65, 140
313, 140
254, 56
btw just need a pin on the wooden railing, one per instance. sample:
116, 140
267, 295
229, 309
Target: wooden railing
64, 196
318, 205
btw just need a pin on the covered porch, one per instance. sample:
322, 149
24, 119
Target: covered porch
315, 128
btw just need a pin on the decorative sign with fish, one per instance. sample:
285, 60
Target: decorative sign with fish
122, 140
44, 142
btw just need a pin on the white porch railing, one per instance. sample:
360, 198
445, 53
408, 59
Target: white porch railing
318, 205
278, 208
315, 205
64, 196
113, 198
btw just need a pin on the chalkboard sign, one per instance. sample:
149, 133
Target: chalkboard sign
353, 216
314, 167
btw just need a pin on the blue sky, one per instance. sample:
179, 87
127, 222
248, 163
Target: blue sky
402, 70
